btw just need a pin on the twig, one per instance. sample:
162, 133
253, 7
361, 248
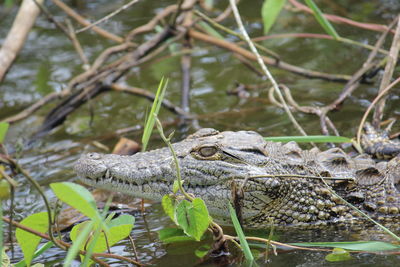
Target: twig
36, 185
318, 36
338, 19
263, 240
77, 45
387, 76
152, 23
368, 64
186, 61
240, 36
174, 156
144, 93
30, 110
226, 13
112, 14
70, 12
377, 98
17, 35
263, 66
270, 61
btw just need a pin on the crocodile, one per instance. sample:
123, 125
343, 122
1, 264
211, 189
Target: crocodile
270, 182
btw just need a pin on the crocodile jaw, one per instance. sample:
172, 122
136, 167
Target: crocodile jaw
152, 179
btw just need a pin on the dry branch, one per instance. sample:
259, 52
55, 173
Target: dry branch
338, 19
144, 93
70, 12
267, 60
16, 37
387, 76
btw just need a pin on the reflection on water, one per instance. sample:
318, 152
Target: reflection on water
48, 61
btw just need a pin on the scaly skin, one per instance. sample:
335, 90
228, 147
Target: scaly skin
270, 181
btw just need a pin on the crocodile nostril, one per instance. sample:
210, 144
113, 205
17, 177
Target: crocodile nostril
93, 155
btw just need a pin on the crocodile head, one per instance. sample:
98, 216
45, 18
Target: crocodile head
211, 163
268, 180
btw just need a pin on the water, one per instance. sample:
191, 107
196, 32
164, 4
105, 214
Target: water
48, 62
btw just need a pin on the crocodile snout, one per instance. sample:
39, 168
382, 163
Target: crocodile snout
90, 166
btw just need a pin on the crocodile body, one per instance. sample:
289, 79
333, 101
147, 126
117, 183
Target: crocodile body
267, 181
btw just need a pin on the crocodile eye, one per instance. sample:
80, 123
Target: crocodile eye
207, 151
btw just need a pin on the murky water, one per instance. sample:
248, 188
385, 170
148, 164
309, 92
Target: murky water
48, 62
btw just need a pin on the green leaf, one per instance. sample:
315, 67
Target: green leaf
322, 20
175, 186
27, 241
309, 138
79, 235
77, 197
155, 108
121, 220
193, 217
37, 253
352, 245
118, 229
242, 238
5, 188
173, 235
5, 260
202, 250
338, 254
168, 203
270, 11
3, 130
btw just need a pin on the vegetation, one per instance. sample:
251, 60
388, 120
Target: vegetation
103, 229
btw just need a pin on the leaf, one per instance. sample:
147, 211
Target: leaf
202, 250
338, 254
352, 245
5, 188
193, 217
309, 138
78, 234
270, 11
77, 197
322, 20
27, 241
155, 108
37, 253
5, 260
3, 131
121, 220
168, 203
242, 238
119, 228
175, 186
173, 235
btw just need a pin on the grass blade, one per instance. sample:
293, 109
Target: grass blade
81, 239
155, 108
243, 242
309, 138
270, 11
322, 20
353, 245
3, 130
